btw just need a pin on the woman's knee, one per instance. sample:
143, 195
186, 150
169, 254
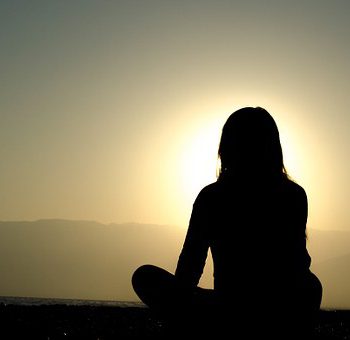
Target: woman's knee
316, 289
154, 286
149, 276
141, 276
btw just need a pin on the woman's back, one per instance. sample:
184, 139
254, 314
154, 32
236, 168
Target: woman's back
255, 230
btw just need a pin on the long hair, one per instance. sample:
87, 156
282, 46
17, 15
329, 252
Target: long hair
250, 146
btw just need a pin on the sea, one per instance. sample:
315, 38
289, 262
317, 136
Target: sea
37, 301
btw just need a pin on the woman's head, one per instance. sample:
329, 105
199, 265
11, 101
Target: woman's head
250, 145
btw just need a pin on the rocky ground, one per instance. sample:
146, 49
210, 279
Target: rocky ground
109, 322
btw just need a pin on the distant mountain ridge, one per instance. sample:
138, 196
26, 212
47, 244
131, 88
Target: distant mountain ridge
330, 254
327, 244
81, 259
59, 258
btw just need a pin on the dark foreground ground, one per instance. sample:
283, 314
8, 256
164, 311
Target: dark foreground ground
107, 322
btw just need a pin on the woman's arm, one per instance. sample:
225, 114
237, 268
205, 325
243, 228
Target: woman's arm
195, 249
303, 259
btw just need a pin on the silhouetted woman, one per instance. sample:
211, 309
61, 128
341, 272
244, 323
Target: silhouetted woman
253, 219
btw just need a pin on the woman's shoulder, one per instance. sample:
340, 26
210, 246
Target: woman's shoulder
294, 189
293, 186
209, 192
218, 189
209, 189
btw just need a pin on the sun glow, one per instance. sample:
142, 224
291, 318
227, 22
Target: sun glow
199, 163
196, 162
199, 159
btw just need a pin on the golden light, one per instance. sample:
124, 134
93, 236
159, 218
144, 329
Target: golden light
195, 163
198, 164
291, 157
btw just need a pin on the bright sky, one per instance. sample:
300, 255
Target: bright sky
111, 110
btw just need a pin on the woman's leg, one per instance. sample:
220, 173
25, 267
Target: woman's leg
305, 304
159, 289
194, 312
194, 309
314, 292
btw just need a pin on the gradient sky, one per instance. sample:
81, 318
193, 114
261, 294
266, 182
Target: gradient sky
111, 110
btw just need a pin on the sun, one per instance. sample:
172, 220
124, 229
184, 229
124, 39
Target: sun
199, 160
199, 163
